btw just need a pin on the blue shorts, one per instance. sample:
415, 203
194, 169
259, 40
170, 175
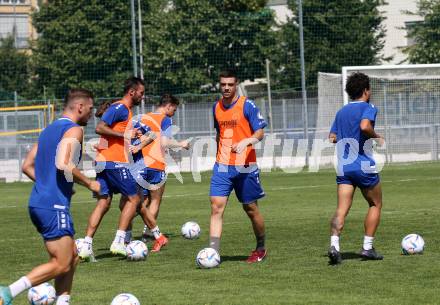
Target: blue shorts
246, 185
359, 178
118, 180
150, 176
52, 224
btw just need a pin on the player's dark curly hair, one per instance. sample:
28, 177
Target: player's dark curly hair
356, 85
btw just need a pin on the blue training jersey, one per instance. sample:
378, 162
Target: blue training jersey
51, 189
351, 148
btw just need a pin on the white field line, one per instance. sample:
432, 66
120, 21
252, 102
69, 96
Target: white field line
285, 188
271, 189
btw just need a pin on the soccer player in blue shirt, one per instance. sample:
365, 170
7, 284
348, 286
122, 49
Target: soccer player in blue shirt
51, 164
353, 131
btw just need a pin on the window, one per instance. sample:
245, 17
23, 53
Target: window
277, 2
409, 25
21, 24
18, 2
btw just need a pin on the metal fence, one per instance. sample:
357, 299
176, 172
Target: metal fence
411, 135
180, 48
194, 120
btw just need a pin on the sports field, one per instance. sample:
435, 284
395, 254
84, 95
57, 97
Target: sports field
297, 211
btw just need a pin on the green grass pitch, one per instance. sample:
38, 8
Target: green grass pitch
297, 210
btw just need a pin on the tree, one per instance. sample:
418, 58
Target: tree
336, 33
188, 42
15, 70
83, 43
426, 34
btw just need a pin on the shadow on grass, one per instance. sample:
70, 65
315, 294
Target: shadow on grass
234, 258
151, 238
108, 255
350, 255
346, 256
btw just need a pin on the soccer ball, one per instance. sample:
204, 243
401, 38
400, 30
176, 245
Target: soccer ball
137, 251
191, 230
80, 243
412, 244
84, 250
125, 299
208, 258
43, 294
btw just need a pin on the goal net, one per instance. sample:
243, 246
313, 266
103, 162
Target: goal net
408, 100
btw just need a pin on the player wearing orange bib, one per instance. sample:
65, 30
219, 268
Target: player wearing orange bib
239, 125
112, 165
153, 177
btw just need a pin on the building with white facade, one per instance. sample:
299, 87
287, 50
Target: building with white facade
15, 20
397, 24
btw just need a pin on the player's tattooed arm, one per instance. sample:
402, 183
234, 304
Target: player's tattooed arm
28, 166
145, 140
173, 143
252, 140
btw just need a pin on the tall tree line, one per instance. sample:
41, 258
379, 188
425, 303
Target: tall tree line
187, 42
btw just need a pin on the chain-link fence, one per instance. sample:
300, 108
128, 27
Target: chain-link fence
180, 47
408, 99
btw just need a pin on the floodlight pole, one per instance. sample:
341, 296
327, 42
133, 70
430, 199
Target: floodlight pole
141, 56
303, 79
269, 94
133, 38
14, 29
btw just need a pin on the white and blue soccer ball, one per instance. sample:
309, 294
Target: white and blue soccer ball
125, 299
208, 258
84, 250
413, 244
137, 250
191, 230
80, 243
43, 294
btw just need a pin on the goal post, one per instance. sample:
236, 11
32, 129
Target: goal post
18, 120
408, 100
392, 73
